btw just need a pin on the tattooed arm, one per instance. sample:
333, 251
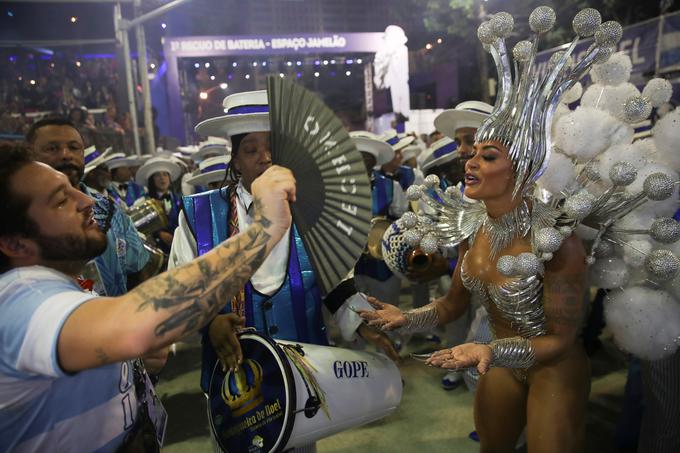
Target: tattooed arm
180, 301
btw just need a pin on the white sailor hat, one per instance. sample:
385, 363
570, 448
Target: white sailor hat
118, 160
440, 152
94, 158
210, 170
465, 114
213, 146
368, 142
156, 164
245, 112
411, 151
397, 141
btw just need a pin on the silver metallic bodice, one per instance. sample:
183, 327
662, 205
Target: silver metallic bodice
519, 300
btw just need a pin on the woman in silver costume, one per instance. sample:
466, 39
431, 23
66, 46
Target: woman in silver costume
518, 254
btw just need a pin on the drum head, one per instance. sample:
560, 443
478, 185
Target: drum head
252, 409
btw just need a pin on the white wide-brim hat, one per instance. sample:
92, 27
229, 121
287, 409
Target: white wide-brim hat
118, 160
245, 112
94, 158
397, 141
466, 114
368, 142
156, 164
411, 151
442, 151
212, 169
213, 146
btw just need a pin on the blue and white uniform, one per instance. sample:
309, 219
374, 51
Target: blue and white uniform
42, 408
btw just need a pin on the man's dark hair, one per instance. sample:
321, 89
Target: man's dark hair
15, 220
50, 121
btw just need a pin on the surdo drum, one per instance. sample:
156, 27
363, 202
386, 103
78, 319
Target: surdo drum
287, 394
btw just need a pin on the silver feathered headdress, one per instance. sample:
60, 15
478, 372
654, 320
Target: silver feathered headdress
527, 99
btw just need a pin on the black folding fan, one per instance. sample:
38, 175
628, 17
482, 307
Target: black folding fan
333, 208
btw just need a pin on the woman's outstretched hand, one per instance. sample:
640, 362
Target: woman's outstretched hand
385, 316
466, 355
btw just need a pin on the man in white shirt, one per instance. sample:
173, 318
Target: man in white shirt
67, 382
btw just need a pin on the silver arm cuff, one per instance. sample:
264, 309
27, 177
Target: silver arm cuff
421, 319
515, 352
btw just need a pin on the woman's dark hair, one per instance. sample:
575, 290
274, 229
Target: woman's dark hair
15, 220
232, 173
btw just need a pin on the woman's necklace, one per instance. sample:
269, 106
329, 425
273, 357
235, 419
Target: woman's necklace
501, 231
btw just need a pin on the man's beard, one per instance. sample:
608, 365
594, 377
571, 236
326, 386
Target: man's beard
73, 172
71, 247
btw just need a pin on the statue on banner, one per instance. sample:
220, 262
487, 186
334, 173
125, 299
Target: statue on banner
391, 69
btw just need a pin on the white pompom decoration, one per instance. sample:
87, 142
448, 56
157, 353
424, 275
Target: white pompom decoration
635, 252
608, 273
666, 136
644, 322
609, 98
614, 71
617, 153
585, 133
573, 94
658, 91
559, 175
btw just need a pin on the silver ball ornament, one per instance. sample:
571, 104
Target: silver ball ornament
608, 34
413, 237
506, 265
429, 244
658, 186
623, 173
542, 19
453, 192
586, 22
547, 256
578, 206
665, 230
555, 58
425, 220
591, 171
528, 264
662, 265
414, 192
502, 24
636, 109
431, 181
522, 51
548, 240
486, 34
408, 220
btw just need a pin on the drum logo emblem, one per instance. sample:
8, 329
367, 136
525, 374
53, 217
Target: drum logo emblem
242, 389
258, 441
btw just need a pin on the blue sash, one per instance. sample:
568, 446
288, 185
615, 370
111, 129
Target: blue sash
383, 194
406, 176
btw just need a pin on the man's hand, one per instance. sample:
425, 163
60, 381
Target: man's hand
222, 334
272, 192
379, 340
466, 355
155, 361
385, 316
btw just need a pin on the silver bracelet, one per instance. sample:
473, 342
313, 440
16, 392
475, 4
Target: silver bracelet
514, 352
421, 319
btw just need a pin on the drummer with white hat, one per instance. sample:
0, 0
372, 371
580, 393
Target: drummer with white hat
96, 176
158, 174
282, 298
123, 189
211, 173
